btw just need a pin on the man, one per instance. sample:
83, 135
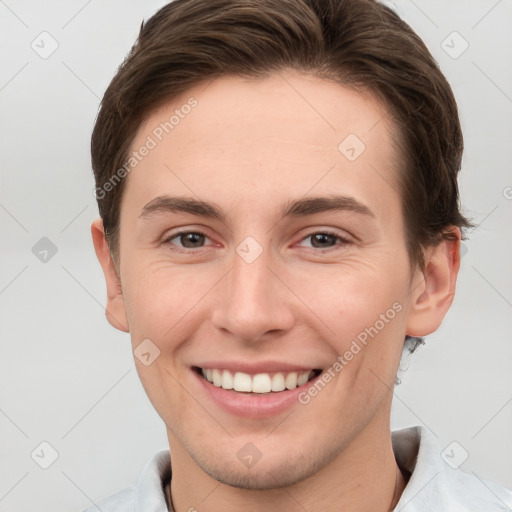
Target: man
277, 186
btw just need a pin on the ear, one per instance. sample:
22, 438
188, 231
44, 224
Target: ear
115, 310
433, 288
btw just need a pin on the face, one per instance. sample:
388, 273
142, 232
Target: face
261, 244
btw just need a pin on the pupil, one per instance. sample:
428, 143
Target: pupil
192, 239
322, 240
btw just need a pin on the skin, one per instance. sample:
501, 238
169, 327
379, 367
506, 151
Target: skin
250, 147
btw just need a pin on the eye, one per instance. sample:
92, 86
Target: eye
187, 239
323, 240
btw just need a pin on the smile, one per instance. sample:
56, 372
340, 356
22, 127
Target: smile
254, 393
260, 383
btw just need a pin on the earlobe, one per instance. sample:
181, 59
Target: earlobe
433, 291
115, 310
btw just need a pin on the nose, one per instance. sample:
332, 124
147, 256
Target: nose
253, 302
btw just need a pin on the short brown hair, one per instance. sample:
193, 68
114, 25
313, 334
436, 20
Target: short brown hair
358, 43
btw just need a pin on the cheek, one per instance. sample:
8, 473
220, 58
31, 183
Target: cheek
364, 310
161, 297
359, 292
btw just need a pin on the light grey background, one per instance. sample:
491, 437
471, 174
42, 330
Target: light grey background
68, 378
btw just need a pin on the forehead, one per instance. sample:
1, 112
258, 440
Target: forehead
285, 135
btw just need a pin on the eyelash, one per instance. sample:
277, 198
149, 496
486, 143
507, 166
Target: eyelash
340, 240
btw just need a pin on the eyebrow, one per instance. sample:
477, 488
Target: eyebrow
181, 204
297, 208
313, 205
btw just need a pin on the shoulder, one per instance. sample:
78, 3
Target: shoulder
147, 495
475, 493
437, 483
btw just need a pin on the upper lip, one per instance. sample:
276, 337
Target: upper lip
255, 368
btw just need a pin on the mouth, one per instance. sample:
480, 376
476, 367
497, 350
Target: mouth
256, 395
263, 384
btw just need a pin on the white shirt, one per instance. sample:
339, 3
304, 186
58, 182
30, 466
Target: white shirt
434, 485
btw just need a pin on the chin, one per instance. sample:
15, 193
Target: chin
258, 480
283, 471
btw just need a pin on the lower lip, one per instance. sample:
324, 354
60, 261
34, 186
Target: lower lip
251, 405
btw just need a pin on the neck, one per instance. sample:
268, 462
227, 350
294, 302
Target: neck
363, 477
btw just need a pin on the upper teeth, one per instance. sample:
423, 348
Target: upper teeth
259, 383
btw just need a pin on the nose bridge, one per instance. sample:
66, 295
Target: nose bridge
253, 301
251, 280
